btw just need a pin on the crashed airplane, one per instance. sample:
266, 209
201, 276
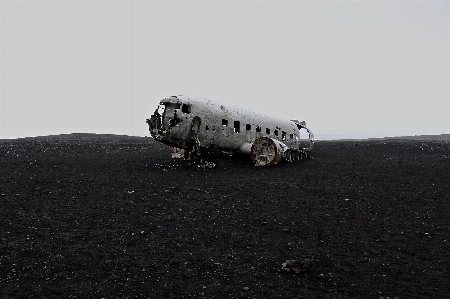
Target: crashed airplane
195, 126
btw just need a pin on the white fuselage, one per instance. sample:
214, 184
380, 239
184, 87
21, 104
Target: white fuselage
218, 127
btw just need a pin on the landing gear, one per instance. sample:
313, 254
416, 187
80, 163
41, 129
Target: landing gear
194, 155
193, 149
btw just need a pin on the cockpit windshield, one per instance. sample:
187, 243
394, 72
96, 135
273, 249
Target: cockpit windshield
161, 108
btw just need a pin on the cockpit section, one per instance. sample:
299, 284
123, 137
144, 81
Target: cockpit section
164, 115
155, 120
166, 121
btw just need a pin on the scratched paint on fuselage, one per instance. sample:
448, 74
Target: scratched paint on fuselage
219, 126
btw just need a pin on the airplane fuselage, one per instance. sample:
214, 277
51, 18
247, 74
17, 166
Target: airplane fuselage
214, 127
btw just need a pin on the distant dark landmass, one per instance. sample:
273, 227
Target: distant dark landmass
108, 216
415, 137
421, 137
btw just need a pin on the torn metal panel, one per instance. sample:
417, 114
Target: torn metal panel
302, 125
177, 153
201, 126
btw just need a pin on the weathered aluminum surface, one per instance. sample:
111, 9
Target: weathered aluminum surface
199, 125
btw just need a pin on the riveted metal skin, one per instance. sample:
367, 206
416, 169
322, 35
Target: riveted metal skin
202, 126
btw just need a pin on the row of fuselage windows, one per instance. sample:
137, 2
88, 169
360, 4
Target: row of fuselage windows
248, 127
237, 124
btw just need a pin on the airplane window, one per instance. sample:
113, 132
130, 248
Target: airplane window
186, 108
206, 128
177, 106
258, 129
224, 122
248, 127
275, 132
237, 126
283, 136
291, 136
267, 131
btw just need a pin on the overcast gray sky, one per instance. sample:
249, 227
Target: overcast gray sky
373, 68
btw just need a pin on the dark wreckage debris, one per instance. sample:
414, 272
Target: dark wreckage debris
297, 266
195, 127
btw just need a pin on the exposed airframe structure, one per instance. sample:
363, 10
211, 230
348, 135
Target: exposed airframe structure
194, 126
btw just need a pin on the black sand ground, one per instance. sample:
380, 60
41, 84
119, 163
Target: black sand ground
104, 216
